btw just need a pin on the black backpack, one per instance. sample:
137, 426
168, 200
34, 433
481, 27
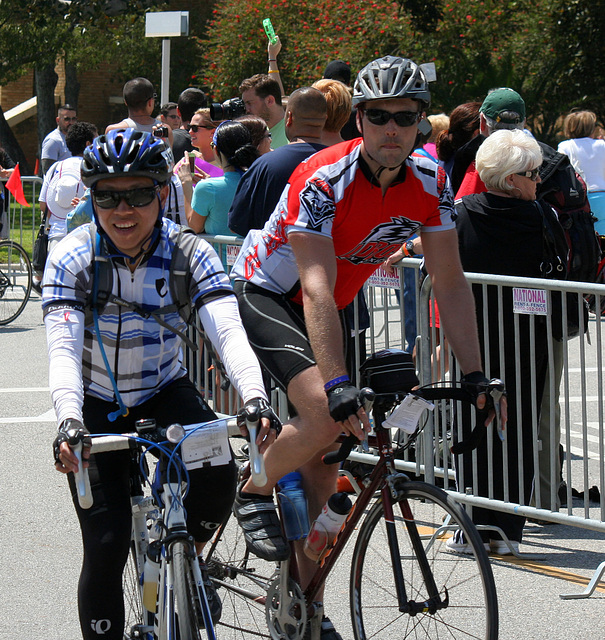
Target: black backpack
565, 191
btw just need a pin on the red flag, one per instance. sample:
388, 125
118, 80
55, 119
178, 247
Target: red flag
14, 185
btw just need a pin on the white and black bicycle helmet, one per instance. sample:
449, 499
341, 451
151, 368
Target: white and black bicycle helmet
127, 152
393, 77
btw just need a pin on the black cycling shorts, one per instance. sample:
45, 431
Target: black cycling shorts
276, 331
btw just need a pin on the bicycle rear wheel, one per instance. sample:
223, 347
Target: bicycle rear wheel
15, 280
185, 592
242, 581
467, 580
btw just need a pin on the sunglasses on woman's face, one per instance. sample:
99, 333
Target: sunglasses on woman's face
380, 117
196, 127
532, 174
141, 197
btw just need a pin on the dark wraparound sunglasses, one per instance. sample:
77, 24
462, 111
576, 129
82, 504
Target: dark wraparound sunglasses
402, 118
195, 127
133, 197
532, 174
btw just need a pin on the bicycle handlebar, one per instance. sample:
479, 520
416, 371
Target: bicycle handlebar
121, 442
495, 391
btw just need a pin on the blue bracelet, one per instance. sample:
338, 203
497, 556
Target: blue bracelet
336, 382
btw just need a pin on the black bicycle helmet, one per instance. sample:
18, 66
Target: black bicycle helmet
392, 77
127, 152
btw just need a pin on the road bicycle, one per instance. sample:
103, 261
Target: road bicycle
15, 280
164, 594
404, 580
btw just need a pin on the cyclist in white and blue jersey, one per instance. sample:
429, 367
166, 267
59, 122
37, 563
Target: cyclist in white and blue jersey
128, 172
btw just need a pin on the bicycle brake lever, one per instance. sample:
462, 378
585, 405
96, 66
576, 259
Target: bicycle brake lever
496, 391
367, 397
82, 479
257, 461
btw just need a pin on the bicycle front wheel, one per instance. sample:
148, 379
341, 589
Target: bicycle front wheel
138, 622
465, 582
185, 592
15, 280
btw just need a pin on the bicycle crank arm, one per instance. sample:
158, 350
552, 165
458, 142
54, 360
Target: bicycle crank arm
285, 607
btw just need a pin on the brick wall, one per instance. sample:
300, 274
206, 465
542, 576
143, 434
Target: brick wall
96, 87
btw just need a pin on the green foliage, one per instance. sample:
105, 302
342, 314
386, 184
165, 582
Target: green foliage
312, 34
551, 51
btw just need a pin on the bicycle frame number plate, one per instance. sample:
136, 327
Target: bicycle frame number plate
205, 444
407, 414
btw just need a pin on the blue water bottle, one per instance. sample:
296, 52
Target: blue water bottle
293, 506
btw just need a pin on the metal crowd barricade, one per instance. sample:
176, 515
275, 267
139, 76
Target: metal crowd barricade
584, 463
22, 221
581, 394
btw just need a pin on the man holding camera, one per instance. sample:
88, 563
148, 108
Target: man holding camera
139, 98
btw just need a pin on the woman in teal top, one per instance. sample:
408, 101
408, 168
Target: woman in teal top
212, 197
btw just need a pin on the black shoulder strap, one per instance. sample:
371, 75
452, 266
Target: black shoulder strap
554, 265
102, 277
180, 273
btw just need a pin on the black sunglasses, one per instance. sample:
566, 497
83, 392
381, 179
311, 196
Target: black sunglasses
532, 174
402, 118
133, 197
195, 127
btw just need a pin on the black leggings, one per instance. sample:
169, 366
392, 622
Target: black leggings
106, 527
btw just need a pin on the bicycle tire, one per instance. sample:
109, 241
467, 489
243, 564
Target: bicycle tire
242, 581
473, 605
185, 596
135, 615
15, 280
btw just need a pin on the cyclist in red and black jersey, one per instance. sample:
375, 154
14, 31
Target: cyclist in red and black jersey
344, 211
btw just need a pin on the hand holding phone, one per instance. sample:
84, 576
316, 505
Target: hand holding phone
269, 30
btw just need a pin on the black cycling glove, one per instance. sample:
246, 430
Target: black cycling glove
256, 409
476, 383
71, 431
343, 401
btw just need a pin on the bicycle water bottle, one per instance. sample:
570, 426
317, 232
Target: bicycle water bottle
151, 574
328, 523
295, 516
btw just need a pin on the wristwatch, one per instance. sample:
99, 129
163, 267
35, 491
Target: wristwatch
408, 249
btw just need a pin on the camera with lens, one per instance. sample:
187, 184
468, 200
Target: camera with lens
229, 110
161, 132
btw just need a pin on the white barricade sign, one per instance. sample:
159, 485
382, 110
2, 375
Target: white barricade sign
530, 301
232, 251
380, 278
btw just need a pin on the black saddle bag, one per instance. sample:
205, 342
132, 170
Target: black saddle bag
389, 371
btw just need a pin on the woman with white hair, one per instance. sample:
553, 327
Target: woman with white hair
501, 232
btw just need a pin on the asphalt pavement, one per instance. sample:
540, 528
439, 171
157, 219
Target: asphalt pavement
41, 550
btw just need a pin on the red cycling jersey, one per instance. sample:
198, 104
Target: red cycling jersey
334, 194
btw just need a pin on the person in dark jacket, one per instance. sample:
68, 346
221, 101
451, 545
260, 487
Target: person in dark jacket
501, 232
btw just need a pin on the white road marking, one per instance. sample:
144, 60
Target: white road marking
48, 416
